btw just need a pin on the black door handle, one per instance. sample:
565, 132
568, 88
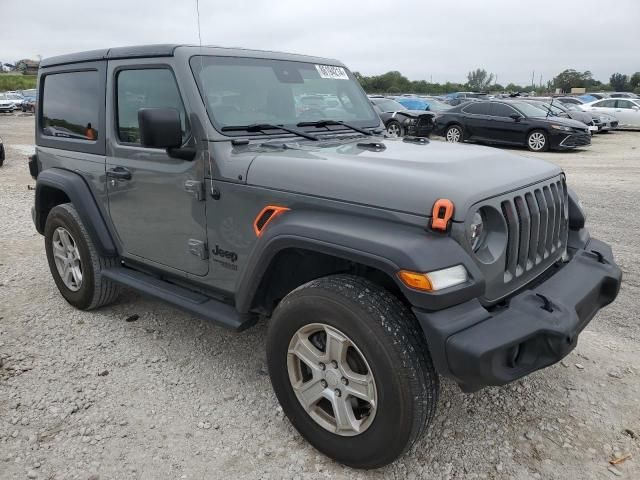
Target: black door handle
120, 173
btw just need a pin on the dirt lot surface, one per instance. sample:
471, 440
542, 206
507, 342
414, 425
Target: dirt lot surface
92, 395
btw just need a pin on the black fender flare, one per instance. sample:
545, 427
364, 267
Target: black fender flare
79, 193
386, 245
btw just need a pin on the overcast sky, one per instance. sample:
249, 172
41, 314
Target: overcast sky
422, 39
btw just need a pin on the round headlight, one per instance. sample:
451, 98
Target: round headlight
476, 231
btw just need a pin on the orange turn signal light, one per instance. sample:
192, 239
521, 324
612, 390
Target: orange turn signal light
418, 281
441, 214
265, 216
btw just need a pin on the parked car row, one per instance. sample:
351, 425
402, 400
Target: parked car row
24, 100
511, 122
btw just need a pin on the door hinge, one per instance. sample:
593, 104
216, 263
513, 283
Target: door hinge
198, 248
196, 188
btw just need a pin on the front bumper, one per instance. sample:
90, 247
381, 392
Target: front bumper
478, 347
573, 140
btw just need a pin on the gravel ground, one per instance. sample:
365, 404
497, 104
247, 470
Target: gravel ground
93, 395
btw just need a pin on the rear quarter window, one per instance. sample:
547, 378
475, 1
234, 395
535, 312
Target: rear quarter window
71, 105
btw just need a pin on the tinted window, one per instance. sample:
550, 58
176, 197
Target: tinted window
502, 110
478, 108
388, 105
71, 105
148, 88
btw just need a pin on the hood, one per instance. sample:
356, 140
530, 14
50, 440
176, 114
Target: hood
563, 121
583, 117
404, 177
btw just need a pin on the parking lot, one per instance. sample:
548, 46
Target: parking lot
107, 395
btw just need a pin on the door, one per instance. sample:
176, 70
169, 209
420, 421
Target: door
503, 127
156, 202
477, 119
627, 112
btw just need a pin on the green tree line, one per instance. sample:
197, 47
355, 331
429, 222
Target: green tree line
480, 80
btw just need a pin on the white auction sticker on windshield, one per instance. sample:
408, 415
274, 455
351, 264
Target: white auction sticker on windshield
329, 71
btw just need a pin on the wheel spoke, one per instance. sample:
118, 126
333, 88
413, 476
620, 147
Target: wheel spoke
336, 346
309, 392
306, 352
343, 414
360, 386
66, 241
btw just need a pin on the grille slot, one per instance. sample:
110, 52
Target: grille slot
537, 222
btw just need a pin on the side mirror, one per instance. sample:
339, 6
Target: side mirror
516, 117
636, 108
160, 127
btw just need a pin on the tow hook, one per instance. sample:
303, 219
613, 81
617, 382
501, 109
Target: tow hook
547, 303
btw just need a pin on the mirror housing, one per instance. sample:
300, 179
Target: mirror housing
516, 117
160, 128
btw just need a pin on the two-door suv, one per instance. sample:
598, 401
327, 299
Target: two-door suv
197, 175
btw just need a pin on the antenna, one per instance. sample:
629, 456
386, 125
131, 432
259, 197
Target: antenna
199, 33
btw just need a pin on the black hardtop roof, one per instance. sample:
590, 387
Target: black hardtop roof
167, 50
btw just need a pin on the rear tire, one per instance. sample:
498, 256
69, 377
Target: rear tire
454, 134
74, 261
538, 141
382, 339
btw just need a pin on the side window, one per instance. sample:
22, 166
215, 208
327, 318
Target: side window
501, 110
145, 88
478, 108
606, 104
624, 104
71, 105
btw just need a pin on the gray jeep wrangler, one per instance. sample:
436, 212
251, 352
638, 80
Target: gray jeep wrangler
207, 178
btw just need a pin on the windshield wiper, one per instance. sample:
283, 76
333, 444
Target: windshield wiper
326, 123
260, 127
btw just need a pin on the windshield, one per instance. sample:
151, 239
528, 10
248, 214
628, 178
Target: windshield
437, 106
388, 105
530, 110
246, 91
29, 93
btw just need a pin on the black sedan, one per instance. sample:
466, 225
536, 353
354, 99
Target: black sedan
512, 122
399, 121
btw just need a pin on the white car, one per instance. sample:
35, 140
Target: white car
626, 110
6, 104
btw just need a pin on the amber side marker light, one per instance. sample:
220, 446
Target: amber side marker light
435, 280
265, 216
441, 214
419, 281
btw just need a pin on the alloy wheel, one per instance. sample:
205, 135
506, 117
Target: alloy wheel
393, 130
67, 259
331, 379
454, 135
537, 141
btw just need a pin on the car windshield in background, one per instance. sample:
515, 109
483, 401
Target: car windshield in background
388, 105
29, 93
530, 110
249, 91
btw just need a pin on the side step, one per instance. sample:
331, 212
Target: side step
191, 302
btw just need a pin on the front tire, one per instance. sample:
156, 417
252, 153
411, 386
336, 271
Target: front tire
74, 261
538, 141
395, 129
352, 370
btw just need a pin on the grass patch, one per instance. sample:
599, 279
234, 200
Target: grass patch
10, 81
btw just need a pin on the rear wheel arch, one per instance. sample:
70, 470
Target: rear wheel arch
56, 186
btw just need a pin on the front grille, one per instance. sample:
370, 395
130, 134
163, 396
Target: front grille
537, 223
576, 140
